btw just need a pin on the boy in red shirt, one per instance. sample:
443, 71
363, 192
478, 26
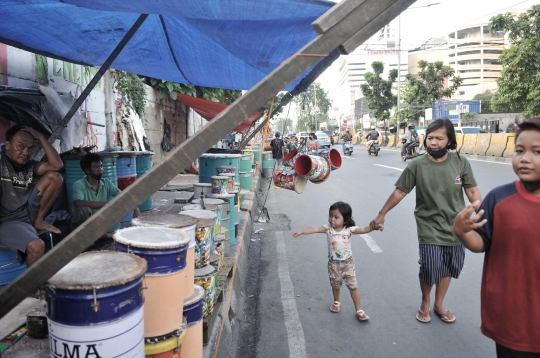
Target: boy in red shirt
510, 291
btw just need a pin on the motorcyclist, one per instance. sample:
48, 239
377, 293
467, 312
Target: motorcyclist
347, 137
372, 137
411, 137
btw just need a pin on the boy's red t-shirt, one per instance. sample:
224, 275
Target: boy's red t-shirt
510, 292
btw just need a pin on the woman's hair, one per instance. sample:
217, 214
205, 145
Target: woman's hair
88, 159
345, 211
531, 124
450, 132
313, 135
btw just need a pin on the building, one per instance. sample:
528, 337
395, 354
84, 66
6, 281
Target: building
435, 49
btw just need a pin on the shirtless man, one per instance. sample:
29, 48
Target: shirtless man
28, 190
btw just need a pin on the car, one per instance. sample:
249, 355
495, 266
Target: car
330, 135
324, 139
469, 130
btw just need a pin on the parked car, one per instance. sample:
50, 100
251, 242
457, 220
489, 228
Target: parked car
324, 139
469, 130
330, 135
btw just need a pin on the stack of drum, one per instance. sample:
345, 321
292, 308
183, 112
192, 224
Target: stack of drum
246, 169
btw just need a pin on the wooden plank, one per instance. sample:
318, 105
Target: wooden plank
184, 154
335, 15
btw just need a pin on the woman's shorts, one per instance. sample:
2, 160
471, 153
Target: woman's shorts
440, 261
341, 271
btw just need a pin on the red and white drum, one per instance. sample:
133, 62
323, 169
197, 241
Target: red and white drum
285, 177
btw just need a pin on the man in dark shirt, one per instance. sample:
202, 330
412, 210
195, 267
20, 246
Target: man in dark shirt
28, 190
372, 137
278, 149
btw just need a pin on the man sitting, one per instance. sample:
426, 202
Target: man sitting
347, 137
28, 190
372, 137
92, 192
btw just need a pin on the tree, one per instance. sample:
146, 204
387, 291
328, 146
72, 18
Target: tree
378, 91
282, 125
429, 86
314, 105
519, 82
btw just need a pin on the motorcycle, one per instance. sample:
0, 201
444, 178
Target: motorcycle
412, 150
348, 148
374, 148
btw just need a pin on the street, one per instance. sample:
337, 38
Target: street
288, 313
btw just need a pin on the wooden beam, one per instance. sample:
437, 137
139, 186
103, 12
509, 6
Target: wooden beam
335, 15
186, 153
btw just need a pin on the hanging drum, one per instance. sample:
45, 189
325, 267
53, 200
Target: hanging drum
286, 178
333, 156
312, 166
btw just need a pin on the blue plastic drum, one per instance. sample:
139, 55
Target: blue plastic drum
10, 269
209, 162
144, 164
95, 306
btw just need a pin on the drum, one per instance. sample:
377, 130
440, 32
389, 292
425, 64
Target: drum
193, 311
144, 164
10, 268
225, 170
324, 176
312, 166
224, 240
286, 178
256, 154
267, 165
201, 189
204, 235
333, 156
246, 162
168, 347
290, 159
185, 223
206, 278
231, 184
216, 260
230, 217
95, 306
165, 251
219, 212
246, 180
213, 208
220, 184
208, 163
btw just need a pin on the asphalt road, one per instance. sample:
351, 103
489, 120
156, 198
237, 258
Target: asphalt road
290, 296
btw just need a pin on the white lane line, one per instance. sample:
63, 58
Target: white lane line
343, 156
371, 243
385, 166
295, 333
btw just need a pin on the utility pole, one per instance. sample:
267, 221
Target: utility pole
399, 71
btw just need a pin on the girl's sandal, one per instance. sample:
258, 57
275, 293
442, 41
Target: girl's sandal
361, 315
335, 307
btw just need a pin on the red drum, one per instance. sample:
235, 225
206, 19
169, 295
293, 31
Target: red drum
333, 156
290, 158
286, 178
312, 166
123, 183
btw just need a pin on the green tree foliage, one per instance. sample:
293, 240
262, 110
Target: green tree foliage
429, 86
378, 91
519, 83
211, 94
313, 107
133, 90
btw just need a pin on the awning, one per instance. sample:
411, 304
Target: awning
208, 110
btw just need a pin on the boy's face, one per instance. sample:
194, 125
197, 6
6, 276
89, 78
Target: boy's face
526, 159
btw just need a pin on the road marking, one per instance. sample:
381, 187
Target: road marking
295, 333
371, 243
385, 166
344, 156
487, 161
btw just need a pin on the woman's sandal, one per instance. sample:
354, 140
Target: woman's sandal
335, 306
426, 317
445, 317
361, 315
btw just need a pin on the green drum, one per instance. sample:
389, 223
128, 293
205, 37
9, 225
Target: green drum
245, 163
256, 154
246, 180
267, 165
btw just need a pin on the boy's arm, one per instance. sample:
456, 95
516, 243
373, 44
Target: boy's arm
310, 230
465, 225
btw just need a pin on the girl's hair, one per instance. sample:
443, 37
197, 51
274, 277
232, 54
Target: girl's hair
450, 132
345, 211
531, 124
313, 135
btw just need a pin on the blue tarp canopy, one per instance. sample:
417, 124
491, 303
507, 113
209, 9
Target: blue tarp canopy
215, 43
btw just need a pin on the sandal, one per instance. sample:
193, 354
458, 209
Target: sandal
426, 317
445, 317
361, 315
335, 306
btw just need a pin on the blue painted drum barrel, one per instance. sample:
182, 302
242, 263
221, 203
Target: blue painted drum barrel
231, 218
10, 269
204, 235
185, 223
201, 189
95, 306
220, 185
144, 164
170, 346
267, 165
206, 278
208, 162
193, 311
246, 180
246, 163
286, 178
165, 251
219, 212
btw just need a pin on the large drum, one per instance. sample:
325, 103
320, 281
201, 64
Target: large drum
185, 223
95, 306
201, 189
220, 185
219, 212
312, 167
231, 214
213, 208
246, 180
286, 178
204, 235
267, 165
206, 278
246, 162
208, 163
169, 347
165, 251
144, 164
193, 311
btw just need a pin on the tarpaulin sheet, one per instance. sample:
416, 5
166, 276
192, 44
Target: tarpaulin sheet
229, 44
208, 110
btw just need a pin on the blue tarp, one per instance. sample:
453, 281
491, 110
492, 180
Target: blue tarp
216, 43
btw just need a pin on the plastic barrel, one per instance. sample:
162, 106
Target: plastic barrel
11, 272
246, 180
208, 163
144, 164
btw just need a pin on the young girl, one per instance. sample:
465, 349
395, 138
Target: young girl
340, 260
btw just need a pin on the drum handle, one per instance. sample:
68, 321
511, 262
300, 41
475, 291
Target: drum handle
143, 287
95, 304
